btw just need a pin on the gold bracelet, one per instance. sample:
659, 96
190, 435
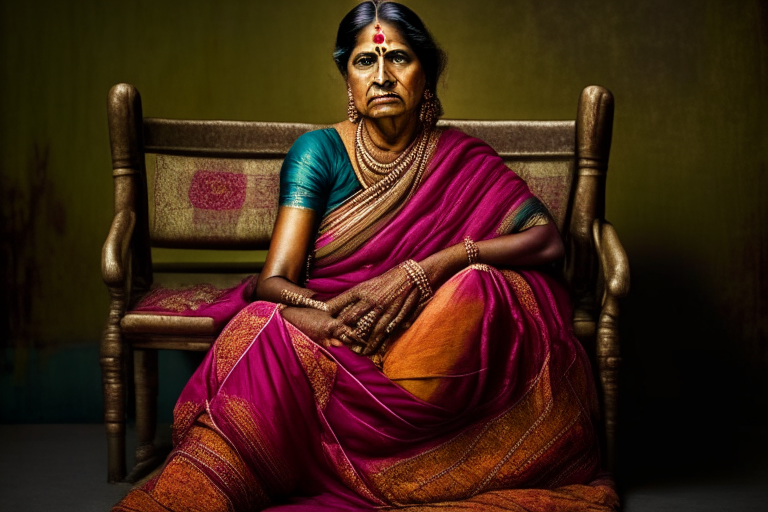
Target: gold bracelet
417, 276
296, 299
473, 253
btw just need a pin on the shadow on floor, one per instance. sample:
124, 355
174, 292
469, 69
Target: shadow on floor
64, 468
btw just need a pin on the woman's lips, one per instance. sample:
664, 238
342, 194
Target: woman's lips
384, 98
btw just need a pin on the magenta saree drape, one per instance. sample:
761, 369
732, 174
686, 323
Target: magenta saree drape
485, 403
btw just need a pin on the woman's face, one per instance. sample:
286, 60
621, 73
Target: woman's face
386, 78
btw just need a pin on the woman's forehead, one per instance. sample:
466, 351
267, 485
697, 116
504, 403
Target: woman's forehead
393, 40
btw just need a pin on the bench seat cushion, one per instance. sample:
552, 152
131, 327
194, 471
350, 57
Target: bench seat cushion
199, 310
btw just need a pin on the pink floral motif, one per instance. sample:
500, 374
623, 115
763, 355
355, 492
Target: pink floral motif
215, 190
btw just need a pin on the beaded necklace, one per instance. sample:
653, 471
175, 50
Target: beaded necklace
370, 171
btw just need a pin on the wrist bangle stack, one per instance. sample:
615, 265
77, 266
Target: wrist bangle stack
473, 253
417, 276
296, 299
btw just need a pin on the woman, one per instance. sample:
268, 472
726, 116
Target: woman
394, 357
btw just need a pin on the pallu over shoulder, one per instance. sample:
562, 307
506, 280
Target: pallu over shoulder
465, 190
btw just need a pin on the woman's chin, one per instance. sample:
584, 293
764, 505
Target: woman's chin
386, 111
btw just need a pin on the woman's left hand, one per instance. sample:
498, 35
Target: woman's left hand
375, 308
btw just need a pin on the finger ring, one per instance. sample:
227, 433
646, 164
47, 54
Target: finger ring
365, 323
391, 327
344, 337
357, 349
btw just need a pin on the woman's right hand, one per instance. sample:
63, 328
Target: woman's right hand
322, 328
377, 307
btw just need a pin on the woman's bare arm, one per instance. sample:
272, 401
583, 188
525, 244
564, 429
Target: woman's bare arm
535, 246
287, 254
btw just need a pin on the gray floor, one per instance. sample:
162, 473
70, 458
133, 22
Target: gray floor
63, 468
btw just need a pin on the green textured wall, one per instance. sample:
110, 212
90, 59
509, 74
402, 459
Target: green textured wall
687, 188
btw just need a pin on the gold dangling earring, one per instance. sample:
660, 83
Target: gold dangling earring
352, 114
428, 113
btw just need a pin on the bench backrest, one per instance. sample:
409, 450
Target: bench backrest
214, 184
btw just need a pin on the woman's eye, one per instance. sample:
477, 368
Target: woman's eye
399, 58
365, 61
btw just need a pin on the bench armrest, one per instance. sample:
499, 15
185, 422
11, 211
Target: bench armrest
114, 254
614, 267
613, 259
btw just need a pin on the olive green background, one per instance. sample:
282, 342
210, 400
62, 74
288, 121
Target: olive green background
687, 188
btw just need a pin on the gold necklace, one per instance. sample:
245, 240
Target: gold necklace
370, 171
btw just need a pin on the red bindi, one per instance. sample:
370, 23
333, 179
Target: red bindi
379, 37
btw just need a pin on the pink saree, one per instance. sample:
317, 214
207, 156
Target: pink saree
485, 403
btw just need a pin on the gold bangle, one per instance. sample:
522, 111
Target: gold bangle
417, 276
296, 299
473, 253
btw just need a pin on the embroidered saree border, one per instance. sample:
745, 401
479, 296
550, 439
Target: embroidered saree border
236, 338
319, 368
208, 448
278, 476
500, 453
203, 473
599, 496
184, 416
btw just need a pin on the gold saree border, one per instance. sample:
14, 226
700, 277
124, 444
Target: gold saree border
278, 476
599, 496
203, 473
235, 340
505, 452
184, 416
319, 368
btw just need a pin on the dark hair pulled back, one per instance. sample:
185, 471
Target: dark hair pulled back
409, 25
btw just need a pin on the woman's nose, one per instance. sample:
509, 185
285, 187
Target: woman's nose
383, 78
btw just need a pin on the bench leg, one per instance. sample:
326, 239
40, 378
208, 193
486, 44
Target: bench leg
113, 382
146, 382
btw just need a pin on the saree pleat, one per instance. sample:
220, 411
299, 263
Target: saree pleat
485, 403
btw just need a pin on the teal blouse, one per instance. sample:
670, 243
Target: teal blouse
317, 173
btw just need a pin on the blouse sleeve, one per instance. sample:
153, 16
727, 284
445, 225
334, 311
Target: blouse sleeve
531, 213
304, 176
524, 215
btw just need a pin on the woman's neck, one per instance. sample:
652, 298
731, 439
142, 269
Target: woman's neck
392, 134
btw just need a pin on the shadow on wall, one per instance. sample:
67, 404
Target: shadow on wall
47, 380
30, 208
691, 405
